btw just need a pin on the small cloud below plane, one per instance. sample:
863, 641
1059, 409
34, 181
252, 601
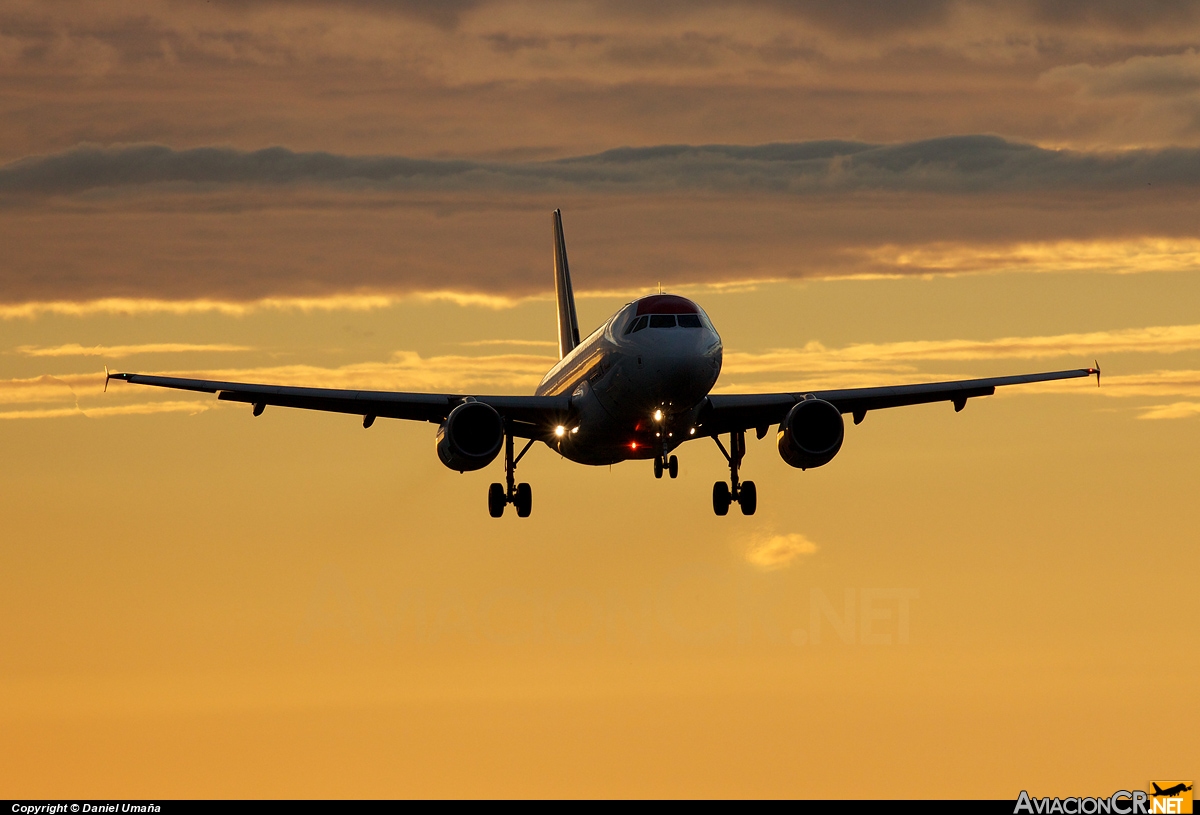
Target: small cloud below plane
637, 387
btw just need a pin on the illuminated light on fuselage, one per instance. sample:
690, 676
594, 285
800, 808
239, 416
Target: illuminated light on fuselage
658, 415
560, 431
692, 432
574, 429
633, 445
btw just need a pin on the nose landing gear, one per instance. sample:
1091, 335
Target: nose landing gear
671, 465
519, 495
744, 493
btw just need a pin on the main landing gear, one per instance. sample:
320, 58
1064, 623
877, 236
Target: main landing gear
744, 493
510, 492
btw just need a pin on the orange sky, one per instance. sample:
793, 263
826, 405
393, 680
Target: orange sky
200, 603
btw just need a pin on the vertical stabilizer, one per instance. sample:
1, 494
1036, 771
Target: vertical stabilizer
568, 324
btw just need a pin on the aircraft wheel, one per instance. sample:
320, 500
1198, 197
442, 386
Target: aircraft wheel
673, 466
496, 500
658, 468
721, 498
748, 498
523, 500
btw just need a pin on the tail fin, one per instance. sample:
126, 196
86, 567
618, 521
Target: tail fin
1157, 788
568, 324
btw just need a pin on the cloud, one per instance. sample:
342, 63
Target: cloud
900, 357
1175, 410
139, 409
92, 229
770, 552
1113, 13
520, 373
1107, 256
1154, 75
1158, 384
976, 164
405, 371
816, 367
812, 366
333, 302
855, 18
532, 343
46, 388
496, 77
442, 13
118, 351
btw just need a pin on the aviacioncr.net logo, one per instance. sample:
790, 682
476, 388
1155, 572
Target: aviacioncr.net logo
1166, 798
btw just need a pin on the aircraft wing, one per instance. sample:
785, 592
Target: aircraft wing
731, 412
527, 416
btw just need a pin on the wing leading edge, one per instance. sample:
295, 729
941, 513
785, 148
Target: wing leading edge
526, 416
732, 412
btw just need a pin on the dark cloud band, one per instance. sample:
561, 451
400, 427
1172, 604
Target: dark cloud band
955, 165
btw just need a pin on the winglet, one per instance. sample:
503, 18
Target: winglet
1095, 371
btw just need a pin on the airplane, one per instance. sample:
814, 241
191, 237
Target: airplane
637, 387
1170, 792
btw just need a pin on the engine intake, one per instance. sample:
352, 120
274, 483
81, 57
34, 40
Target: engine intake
471, 437
811, 434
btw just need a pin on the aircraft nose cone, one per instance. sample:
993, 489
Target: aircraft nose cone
683, 370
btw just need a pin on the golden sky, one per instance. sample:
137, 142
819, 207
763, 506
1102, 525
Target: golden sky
200, 603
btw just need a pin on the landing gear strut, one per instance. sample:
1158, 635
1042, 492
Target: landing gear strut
744, 493
510, 492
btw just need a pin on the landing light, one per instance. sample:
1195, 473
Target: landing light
658, 415
560, 431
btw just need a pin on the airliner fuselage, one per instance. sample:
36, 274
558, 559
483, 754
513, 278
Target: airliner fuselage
658, 356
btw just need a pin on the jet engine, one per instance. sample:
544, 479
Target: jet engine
471, 437
811, 434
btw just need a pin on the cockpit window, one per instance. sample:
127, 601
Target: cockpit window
662, 320
689, 320
637, 325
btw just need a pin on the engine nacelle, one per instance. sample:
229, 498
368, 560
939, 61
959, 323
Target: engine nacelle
471, 437
811, 434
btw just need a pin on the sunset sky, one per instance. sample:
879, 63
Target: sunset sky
201, 603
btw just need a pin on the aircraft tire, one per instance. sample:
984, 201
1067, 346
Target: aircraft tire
721, 498
748, 498
523, 500
496, 500
658, 468
673, 467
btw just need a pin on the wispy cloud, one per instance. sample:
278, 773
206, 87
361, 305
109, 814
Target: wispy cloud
1105, 256
234, 308
1175, 410
813, 367
530, 343
974, 164
777, 551
405, 371
137, 409
119, 351
866, 363
48, 388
